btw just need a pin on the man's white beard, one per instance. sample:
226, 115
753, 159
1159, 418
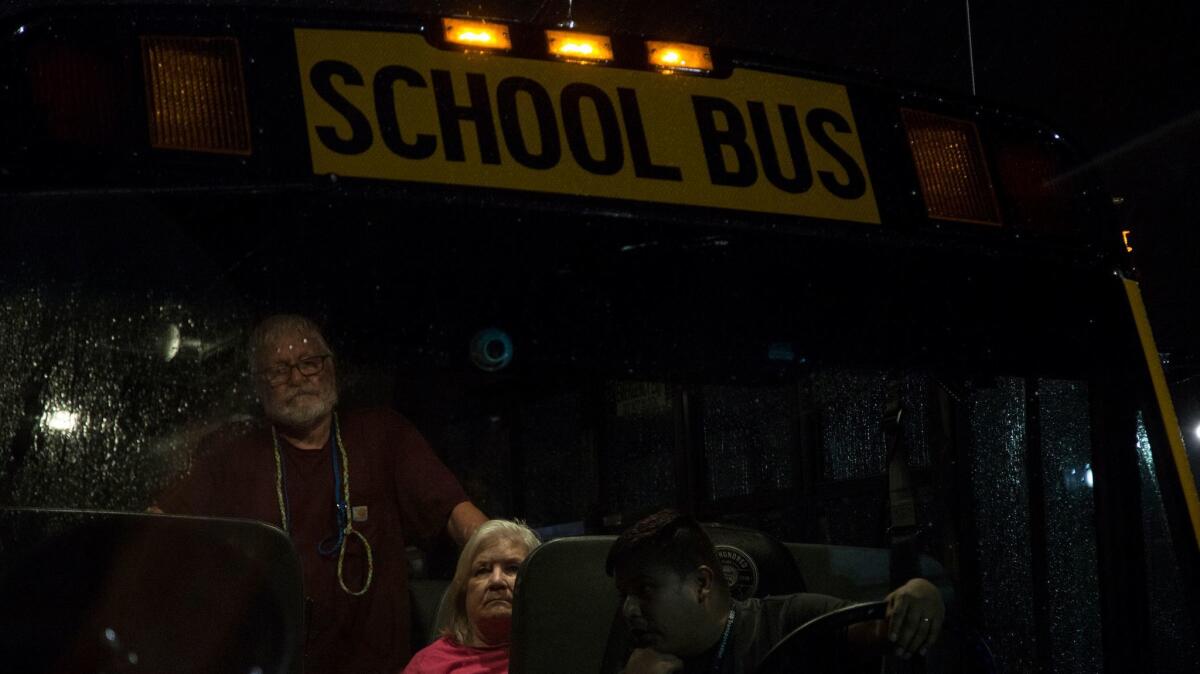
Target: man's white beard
304, 410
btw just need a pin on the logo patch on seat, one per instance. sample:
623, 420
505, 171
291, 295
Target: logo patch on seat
740, 571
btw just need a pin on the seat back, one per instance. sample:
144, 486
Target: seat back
754, 563
858, 574
564, 608
566, 616
427, 602
96, 591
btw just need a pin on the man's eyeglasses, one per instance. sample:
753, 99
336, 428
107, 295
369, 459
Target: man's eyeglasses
278, 375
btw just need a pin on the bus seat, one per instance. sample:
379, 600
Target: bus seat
564, 608
860, 574
566, 616
95, 591
427, 602
754, 563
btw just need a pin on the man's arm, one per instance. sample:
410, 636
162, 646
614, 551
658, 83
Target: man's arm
915, 614
464, 520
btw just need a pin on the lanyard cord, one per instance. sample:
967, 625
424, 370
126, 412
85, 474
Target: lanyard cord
345, 523
724, 642
330, 546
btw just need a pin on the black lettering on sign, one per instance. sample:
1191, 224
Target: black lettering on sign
510, 123
732, 136
610, 130
639, 150
479, 112
321, 77
385, 112
802, 180
856, 183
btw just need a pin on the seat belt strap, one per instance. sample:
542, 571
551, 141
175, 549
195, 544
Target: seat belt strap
903, 532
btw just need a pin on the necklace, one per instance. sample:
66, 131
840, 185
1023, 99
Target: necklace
345, 523
724, 642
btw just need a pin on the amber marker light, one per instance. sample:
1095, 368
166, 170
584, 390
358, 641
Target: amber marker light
672, 56
579, 47
1125, 237
477, 34
195, 94
951, 168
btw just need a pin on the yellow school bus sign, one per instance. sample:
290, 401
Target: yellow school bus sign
392, 107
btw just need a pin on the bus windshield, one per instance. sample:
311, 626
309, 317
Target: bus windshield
694, 279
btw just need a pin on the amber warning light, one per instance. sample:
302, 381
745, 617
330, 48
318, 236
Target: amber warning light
672, 56
476, 34
579, 47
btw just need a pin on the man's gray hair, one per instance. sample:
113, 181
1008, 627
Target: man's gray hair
272, 327
458, 628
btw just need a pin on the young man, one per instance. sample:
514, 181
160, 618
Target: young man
677, 605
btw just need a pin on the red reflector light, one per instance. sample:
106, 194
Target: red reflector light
951, 168
1032, 180
78, 92
195, 94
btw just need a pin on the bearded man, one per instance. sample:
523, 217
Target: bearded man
350, 488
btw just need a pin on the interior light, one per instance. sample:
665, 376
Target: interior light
477, 34
673, 56
580, 47
61, 420
168, 341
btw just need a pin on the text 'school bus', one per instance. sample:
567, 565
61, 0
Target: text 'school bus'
603, 274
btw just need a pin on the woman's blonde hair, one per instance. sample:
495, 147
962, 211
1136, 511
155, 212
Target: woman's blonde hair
458, 627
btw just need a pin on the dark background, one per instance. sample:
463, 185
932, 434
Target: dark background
1119, 78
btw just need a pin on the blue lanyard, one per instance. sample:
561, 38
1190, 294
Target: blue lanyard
330, 546
724, 642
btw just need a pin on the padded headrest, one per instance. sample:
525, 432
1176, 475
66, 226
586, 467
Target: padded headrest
563, 608
754, 563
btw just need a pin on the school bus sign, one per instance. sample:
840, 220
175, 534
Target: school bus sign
392, 107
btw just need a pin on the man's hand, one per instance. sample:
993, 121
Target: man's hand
650, 661
915, 615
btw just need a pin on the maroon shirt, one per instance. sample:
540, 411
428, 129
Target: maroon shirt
407, 494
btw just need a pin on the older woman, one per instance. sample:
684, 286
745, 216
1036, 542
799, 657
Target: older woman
476, 640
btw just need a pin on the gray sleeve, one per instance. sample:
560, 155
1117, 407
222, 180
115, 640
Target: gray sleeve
800, 608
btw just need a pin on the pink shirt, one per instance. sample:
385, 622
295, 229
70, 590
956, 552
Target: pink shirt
446, 657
